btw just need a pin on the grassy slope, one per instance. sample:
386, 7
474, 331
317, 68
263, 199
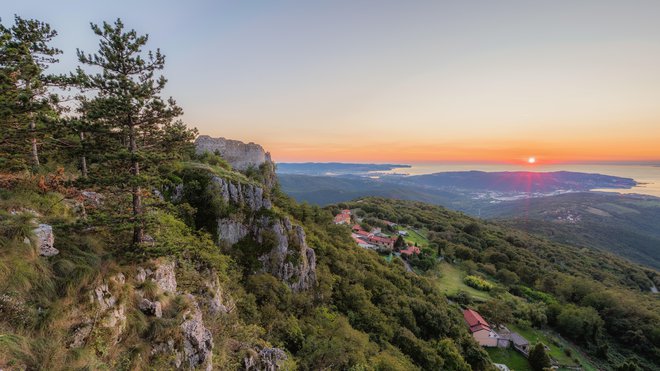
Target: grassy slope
514, 360
450, 280
556, 345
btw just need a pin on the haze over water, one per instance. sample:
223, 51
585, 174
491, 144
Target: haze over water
646, 175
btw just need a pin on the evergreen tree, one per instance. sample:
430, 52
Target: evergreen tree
400, 243
26, 103
128, 116
538, 358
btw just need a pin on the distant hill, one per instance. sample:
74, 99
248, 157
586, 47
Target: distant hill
520, 181
627, 225
332, 168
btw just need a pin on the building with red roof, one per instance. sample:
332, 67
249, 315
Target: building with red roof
481, 330
344, 217
410, 250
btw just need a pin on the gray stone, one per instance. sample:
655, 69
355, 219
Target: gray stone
81, 333
165, 277
220, 301
300, 273
231, 231
168, 348
45, 240
92, 198
267, 359
112, 313
197, 339
238, 154
151, 308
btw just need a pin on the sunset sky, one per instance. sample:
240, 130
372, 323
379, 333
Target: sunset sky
405, 81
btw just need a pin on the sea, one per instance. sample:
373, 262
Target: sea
647, 176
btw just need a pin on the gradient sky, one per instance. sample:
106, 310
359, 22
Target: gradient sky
400, 80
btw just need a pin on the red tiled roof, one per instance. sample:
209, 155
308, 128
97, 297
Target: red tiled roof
475, 321
411, 250
381, 239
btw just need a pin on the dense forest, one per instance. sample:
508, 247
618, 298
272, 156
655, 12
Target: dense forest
115, 248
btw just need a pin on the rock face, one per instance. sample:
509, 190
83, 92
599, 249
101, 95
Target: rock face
231, 231
45, 240
163, 275
239, 155
112, 312
219, 300
249, 195
197, 339
267, 359
291, 260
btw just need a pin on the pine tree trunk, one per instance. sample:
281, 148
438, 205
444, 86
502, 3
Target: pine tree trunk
83, 159
35, 151
138, 229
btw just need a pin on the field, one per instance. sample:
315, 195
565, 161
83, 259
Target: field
556, 345
450, 280
415, 237
514, 360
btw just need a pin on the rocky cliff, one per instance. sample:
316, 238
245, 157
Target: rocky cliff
248, 216
285, 253
239, 155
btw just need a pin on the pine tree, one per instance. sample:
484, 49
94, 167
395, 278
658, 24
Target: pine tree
130, 129
27, 104
538, 358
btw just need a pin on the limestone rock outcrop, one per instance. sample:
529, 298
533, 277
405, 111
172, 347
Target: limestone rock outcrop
45, 240
249, 195
267, 359
163, 276
239, 155
197, 339
111, 311
291, 260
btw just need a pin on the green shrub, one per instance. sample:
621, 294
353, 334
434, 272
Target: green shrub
478, 283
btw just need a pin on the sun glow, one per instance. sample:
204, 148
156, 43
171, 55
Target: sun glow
531, 160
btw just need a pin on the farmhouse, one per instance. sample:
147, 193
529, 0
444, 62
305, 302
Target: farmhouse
410, 250
480, 329
364, 238
344, 217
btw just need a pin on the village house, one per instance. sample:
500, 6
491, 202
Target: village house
480, 329
344, 217
410, 250
516, 341
380, 243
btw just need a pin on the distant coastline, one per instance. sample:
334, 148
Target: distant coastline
335, 168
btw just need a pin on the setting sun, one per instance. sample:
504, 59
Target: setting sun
531, 160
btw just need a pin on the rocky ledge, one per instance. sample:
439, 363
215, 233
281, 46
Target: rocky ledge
239, 155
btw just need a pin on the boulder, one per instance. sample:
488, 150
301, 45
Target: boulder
151, 308
92, 198
45, 240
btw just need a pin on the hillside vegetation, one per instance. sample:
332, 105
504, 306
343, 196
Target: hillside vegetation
597, 300
624, 225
